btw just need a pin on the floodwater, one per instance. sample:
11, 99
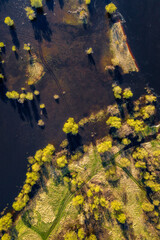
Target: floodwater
61, 49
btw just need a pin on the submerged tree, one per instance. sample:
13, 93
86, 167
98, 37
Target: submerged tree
9, 21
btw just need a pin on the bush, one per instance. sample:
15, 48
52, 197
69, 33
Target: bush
1, 76
110, 8
27, 47
9, 21
140, 164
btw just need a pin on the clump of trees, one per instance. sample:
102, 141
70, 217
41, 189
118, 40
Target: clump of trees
41, 157
9, 21
36, 3
70, 126
30, 13
6, 222
12, 95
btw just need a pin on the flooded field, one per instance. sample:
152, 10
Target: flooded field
83, 86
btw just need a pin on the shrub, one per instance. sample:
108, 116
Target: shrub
36, 3
110, 8
9, 21
114, 122
62, 161
30, 13
127, 93
70, 126
104, 146
147, 207
6, 222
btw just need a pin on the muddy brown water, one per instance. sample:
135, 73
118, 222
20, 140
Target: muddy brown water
61, 49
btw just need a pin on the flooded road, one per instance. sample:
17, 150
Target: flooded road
61, 49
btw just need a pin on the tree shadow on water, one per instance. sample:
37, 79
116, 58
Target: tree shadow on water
118, 74
91, 59
35, 110
75, 141
61, 3
14, 37
41, 27
50, 4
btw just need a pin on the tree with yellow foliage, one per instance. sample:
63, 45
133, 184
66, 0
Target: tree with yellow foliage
36, 3
104, 146
110, 8
70, 126
114, 122
9, 21
6, 222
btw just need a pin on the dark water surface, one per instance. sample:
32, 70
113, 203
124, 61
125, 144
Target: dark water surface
62, 48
